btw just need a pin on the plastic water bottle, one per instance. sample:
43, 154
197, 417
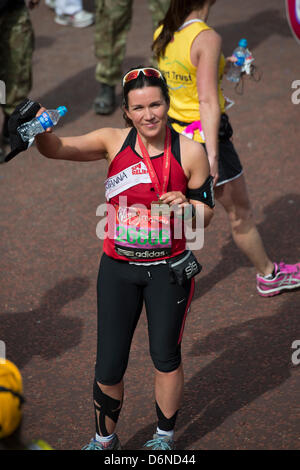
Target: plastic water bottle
39, 124
235, 70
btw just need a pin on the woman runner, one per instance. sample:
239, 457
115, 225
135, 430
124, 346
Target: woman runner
155, 167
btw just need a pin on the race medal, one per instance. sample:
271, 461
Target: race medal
159, 207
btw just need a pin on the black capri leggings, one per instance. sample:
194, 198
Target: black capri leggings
122, 288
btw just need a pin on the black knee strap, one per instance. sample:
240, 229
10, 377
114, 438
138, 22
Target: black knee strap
106, 406
165, 424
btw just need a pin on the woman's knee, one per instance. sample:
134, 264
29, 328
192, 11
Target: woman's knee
170, 374
110, 375
167, 364
241, 218
234, 199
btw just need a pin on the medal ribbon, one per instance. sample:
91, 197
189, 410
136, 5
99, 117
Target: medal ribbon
166, 164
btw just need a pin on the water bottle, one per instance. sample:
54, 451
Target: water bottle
39, 124
234, 72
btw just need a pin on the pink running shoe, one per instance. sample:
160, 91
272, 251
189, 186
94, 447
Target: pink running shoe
287, 276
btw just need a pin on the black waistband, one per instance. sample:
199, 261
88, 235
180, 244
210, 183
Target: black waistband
175, 121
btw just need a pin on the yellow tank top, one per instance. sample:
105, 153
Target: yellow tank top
180, 74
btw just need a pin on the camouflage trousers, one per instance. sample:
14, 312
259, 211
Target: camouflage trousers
112, 23
16, 48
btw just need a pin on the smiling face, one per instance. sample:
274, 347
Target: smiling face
147, 109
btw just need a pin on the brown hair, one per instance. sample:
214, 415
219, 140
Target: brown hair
175, 16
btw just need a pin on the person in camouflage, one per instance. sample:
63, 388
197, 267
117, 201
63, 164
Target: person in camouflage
16, 49
112, 23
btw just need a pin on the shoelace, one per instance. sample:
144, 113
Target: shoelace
94, 445
158, 443
288, 268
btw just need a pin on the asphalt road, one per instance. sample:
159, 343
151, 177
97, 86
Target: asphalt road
242, 388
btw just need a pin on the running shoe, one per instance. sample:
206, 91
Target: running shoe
160, 443
81, 19
96, 445
287, 276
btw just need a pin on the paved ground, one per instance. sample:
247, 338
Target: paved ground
242, 389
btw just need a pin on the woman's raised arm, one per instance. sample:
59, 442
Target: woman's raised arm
87, 147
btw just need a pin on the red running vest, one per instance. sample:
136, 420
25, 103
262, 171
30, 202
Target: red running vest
127, 186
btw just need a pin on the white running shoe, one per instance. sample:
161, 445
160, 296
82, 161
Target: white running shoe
81, 19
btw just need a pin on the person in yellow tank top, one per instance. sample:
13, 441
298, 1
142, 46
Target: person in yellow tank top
188, 52
181, 74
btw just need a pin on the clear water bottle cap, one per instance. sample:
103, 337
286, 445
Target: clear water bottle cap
62, 110
243, 43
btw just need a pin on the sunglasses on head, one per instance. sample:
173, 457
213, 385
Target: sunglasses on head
147, 71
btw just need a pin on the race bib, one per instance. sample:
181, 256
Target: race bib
141, 235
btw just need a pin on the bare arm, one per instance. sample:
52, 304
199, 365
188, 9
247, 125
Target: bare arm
88, 147
82, 148
205, 55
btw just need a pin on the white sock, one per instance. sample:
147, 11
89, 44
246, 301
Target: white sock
272, 275
268, 277
165, 433
104, 439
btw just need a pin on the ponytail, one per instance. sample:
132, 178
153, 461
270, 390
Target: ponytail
175, 16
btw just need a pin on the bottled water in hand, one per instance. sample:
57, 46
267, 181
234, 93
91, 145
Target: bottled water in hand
235, 70
39, 124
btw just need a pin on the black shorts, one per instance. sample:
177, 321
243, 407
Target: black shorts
230, 166
122, 289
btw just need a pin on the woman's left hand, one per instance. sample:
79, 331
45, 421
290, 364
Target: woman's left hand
174, 198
